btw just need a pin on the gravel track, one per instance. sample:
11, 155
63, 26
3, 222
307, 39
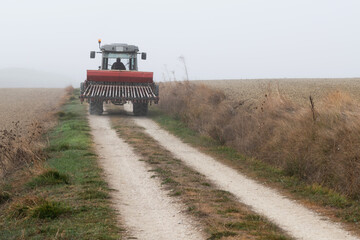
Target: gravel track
298, 221
145, 208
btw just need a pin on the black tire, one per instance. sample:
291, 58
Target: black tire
140, 109
82, 88
96, 108
156, 90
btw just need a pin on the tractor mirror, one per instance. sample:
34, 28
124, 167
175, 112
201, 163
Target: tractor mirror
143, 56
92, 54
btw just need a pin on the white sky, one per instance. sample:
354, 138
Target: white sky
227, 39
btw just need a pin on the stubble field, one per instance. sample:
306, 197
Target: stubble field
295, 90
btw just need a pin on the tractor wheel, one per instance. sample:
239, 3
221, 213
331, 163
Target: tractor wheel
96, 108
140, 109
82, 88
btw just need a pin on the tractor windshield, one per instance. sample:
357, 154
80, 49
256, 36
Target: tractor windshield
128, 59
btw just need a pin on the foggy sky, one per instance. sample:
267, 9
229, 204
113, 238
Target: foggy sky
228, 39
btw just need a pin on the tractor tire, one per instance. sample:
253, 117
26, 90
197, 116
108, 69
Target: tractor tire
140, 109
156, 90
96, 108
82, 88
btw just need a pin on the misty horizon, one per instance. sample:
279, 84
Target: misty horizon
255, 39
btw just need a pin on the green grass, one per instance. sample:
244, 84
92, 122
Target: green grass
35, 207
219, 235
4, 196
71, 199
343, 207
49, 177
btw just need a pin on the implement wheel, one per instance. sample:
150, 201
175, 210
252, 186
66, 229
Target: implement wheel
96, 108
140, 109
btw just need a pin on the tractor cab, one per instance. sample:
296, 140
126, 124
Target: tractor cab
126, 53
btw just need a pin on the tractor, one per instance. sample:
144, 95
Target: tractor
118, 80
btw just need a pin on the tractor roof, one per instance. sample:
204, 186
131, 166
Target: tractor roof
119, 47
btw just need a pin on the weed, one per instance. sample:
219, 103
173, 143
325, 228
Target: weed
240, 226
49, 177
231, 210
4, 196
48, 209
36, 207
61, 113
175, 194
169, 180
94, 194
219, 235
191, 208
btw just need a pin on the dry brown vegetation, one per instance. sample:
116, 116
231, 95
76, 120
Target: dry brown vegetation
320, 144
25, 115
296, 90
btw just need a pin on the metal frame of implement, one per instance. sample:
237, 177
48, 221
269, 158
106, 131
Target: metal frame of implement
119, 93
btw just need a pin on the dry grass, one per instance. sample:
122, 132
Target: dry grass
319, 145
26, 114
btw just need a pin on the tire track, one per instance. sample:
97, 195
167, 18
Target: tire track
146, 209
298, 221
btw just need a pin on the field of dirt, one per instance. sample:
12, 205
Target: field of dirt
26, 105
297, 90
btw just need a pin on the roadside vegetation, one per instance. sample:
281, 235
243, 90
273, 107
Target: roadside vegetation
311, 152
220, 213
63, 194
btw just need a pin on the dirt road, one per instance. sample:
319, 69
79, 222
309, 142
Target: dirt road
298, 221
144, 207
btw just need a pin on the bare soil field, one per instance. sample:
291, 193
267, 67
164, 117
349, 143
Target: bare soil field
296, 90
26, 105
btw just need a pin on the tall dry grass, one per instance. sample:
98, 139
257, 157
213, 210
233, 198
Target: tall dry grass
319, 143
19, 147
23, 145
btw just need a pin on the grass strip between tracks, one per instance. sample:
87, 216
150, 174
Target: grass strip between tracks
336, 206
220, 214
67, 198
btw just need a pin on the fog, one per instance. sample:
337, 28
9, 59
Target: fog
229, 39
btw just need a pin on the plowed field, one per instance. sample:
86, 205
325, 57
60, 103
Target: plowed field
26, 105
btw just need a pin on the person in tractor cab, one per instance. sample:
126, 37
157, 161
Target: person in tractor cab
118, 65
